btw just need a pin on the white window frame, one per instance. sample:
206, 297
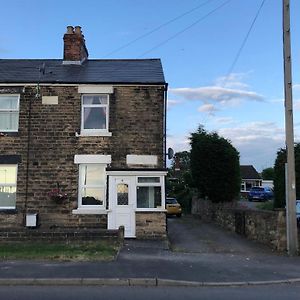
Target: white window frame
95, 132
10, 111
243, 186
81, 186
10, 184
160, 184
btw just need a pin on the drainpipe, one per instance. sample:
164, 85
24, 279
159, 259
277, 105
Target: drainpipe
165, 125
28, 152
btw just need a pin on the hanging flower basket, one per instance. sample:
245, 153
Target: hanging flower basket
57, 195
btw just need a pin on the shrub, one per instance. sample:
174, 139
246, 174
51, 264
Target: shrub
214, 166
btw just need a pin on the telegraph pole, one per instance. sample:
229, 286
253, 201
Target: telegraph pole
292, 234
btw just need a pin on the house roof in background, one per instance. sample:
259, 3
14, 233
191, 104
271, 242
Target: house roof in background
106, 71
249, 172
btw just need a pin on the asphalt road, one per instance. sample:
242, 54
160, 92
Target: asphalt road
276, 292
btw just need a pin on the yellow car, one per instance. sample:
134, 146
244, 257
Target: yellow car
173, 207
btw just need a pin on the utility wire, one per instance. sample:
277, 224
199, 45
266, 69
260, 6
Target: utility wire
238, 54
186, 28
158, 28
177, 34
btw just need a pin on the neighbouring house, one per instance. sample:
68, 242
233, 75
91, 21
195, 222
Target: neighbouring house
268, 183
83, 142
249, 178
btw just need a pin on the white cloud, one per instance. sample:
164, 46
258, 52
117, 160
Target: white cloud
296, 86
171, 103
277, 101
178, 143
208, 108
215, 94
224, 120
257, 142
233, 80
226, 91
296, 103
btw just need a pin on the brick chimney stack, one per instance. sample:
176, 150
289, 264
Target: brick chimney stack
75, 51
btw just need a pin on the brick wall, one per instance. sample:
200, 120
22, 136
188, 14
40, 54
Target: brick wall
136, 123
151, 225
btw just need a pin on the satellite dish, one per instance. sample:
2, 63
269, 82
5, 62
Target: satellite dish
170, 153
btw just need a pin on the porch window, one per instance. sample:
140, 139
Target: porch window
94, 114
149, 192
92, 182
9, 113
8, 186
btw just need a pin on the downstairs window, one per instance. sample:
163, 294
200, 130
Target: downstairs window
8, 186
92, 185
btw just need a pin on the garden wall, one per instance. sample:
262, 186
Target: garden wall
267, 227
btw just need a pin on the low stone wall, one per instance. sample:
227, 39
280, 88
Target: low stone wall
151, 225
267, 227
60, 234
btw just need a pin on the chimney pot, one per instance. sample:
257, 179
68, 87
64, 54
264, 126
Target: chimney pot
78, 30
70, 30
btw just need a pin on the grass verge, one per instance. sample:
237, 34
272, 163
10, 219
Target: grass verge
73, 251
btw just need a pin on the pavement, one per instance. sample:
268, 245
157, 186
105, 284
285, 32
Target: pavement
196, 254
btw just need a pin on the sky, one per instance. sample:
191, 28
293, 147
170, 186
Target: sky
221, 74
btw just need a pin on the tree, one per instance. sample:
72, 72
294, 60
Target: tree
181, 161
267, 174
179, 181
279, 176
215, 166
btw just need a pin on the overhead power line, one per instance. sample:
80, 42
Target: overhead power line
238, 54
186, 28
158, 28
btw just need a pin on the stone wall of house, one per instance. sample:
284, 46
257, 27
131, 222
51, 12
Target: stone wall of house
135, 120
267, 227
151, 225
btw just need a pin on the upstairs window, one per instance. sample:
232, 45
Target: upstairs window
94, 114
9, 113
8, 186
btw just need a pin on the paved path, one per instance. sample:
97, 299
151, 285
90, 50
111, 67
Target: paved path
190, 235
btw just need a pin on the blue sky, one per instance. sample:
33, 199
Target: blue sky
197, 52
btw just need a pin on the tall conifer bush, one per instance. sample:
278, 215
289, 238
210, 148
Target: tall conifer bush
215, 166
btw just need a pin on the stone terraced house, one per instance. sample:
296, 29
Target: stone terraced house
82, 142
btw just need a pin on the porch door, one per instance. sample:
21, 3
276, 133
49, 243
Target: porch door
122, 205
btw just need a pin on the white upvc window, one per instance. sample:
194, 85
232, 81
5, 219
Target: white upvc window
150, 192
9, 113
94, 114
92, 186
8, 186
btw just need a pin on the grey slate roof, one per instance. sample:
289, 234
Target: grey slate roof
142, 71
249, 172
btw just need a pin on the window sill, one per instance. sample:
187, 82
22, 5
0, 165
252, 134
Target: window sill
89, 211
9, 133
150, 210
86, 134
8, 211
